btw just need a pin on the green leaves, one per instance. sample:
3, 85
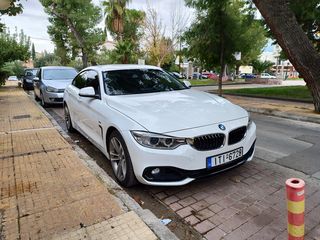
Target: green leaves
73, 29
12, 48
223, 28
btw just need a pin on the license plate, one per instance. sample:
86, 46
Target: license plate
224, 158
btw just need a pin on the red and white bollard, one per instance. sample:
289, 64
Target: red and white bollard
295, 206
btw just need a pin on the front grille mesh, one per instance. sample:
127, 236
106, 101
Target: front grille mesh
208, 142
237, 135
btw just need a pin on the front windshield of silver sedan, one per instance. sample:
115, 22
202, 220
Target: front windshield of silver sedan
137, 81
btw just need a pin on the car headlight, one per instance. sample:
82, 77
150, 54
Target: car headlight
158, 141
52, 89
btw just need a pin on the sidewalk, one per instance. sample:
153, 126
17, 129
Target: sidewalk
279, 108
47, 192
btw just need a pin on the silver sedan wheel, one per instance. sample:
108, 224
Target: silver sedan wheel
118, 158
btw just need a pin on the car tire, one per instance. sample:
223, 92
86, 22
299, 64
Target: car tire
119, 157
67, 119
42, 101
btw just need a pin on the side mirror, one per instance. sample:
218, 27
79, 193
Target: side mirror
87, 92
187, 83
36, 79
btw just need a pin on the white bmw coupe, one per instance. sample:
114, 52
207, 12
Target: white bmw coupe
153, 128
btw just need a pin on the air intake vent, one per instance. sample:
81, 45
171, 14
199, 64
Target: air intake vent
209, 142
237, 135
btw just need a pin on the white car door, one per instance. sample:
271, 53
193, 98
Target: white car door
91, 109
73, 98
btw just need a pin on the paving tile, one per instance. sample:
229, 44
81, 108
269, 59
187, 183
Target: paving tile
45, 189
187, 201
204, 214
204, 226
185, 212
215, 234
192, 220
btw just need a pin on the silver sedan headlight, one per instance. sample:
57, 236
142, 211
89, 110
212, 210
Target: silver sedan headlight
51, 89
157, 141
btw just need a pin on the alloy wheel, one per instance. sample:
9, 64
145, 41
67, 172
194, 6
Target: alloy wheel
67, 117
118, 158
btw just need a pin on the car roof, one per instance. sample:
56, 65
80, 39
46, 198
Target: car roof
112, 67
56, 67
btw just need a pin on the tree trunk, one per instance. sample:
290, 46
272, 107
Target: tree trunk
75, 33
84, 58
294, 42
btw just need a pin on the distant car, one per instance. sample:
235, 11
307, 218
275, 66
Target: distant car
50, 83
247, 75
12, 78
27, 80
197, 75
210, 75
267, 75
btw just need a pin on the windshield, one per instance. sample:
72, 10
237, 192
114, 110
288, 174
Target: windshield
136, 81
59, 74
32, 71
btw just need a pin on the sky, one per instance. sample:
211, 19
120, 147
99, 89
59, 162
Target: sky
34, 20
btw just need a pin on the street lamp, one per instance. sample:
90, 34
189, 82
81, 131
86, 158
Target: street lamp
5, 4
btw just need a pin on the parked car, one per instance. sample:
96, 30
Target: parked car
50, 83
267, 75
197, 75
12, 78
211, 75
27, 80
247, 75
153, 128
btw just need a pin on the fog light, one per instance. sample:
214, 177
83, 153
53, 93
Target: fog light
155, 171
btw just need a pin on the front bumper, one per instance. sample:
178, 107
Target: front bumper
53, 98
185, 164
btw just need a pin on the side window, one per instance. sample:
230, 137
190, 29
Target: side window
80, 80
93, 81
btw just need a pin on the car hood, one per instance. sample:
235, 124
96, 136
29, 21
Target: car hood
59, 84
176, 110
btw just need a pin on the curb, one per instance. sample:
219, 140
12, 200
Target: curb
271, 98
277, 113
160, 230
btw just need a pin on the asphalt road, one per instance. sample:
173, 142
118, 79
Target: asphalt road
289, 143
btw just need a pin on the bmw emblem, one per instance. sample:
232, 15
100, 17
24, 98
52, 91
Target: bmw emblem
222, 127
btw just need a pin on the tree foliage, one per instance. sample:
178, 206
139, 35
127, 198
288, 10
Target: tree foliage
14, 68
73, 28
221, 29
261, 66
115, 11
14, 9
308, 15
125, 25
158, 46
47, 59
12, 47
33, 52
